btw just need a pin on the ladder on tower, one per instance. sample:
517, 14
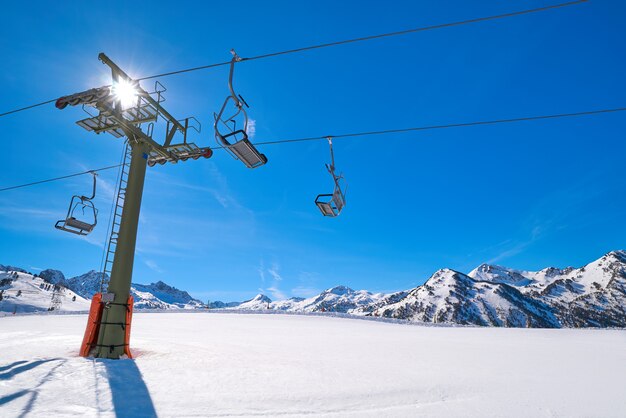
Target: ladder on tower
116, 219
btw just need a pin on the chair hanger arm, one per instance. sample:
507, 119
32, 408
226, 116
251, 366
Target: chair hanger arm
93, 193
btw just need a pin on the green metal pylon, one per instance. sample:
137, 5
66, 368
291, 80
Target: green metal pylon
127, 110
112, 330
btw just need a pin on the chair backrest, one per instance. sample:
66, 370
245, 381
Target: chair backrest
339, 200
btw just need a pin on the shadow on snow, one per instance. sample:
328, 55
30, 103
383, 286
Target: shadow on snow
18, 367
128, 390
129, 393
21, 367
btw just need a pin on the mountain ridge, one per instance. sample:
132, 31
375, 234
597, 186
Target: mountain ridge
35, 292
593, 295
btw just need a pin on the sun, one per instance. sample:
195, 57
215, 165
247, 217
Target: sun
126, 93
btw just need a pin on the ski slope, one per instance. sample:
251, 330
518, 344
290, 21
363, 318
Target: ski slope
227, 364
35, 298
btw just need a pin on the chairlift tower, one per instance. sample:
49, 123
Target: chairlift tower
58, 293
125, 109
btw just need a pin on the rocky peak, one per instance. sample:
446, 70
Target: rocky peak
260, 298
618, 255
339, 290
446, 276
552, 272
11, 268
53, 276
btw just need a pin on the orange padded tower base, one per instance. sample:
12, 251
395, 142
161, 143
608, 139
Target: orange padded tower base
90, 338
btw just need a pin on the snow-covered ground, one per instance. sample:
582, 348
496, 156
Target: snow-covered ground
224, 364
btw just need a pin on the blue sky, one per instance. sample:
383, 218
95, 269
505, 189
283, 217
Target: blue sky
525, 195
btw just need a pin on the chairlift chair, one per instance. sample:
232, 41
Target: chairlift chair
75, 225
241, 149
332, 204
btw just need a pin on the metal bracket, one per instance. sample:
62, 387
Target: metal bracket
108, 297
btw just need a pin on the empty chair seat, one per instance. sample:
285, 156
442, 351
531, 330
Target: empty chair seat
325, 206
247, 153
75, 223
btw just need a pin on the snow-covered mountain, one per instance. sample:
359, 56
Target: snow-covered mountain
54, 277
337, 299
86, 284
36, 292
490, 295
455, 298
147, 296
589, 296
256, 303
11, 268
162, 296
24, 292
218, 304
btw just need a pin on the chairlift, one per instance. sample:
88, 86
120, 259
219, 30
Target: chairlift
332, 204
235, 140
78, 206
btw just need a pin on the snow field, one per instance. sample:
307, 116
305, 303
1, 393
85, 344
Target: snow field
203, 364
